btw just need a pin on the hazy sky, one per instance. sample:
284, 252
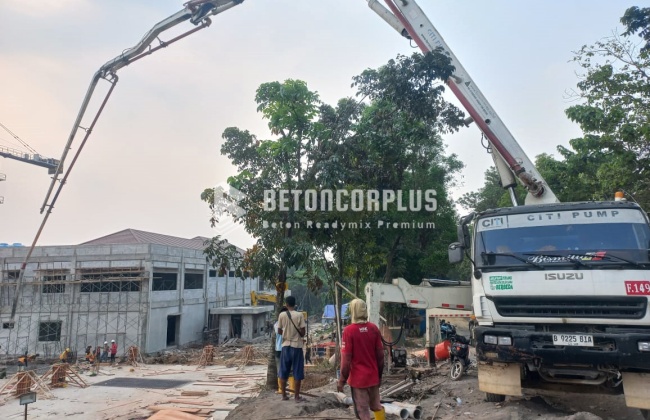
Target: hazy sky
156, 147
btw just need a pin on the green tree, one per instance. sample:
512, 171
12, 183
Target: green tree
398, 146
389, 140
638, 20
614, 115
270, 165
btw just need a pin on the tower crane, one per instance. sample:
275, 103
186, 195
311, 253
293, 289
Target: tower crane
32, 156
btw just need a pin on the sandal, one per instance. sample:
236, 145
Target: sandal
301, 399
285, 398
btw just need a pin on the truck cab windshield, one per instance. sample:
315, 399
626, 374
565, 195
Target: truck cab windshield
578, 239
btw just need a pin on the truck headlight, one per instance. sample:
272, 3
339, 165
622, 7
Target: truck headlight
490, 339
504, 341
644, 345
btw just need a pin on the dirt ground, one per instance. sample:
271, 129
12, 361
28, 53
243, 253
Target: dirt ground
440, 398
472, 405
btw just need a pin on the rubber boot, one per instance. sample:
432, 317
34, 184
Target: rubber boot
279, 391
380, 415
291, 384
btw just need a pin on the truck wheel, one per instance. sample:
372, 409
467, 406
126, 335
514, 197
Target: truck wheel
495, 398
645, 414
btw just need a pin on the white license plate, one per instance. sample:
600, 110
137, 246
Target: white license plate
573, 340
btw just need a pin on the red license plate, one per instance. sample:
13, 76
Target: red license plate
637, 287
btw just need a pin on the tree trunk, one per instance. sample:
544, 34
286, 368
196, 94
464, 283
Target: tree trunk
356, 282
388, 276
337, 308
272, 371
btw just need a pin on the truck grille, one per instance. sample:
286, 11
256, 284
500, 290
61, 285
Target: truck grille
572, 307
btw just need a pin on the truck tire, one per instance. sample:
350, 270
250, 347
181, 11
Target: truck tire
495, 398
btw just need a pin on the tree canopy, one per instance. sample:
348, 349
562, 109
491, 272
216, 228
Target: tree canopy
388, 139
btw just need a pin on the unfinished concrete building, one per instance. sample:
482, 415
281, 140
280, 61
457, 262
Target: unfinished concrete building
137, 288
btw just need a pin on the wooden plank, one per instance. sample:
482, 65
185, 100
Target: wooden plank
193, 410
195, 393
164, 407
120, 405
239, 391
191, 402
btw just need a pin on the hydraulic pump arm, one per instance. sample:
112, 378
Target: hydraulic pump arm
406, 17
198, 12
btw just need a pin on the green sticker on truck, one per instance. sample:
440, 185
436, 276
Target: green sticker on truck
500, 282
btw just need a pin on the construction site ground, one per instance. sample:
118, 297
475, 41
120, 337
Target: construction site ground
117, 402
439, 396
231, 387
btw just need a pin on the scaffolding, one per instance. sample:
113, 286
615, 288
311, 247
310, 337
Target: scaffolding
68, 305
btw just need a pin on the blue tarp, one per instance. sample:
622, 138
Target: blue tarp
328, 312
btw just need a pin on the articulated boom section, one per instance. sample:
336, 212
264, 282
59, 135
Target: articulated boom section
422, 31
416, 297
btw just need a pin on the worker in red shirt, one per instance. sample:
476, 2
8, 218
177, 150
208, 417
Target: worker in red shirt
362, 362
113, 351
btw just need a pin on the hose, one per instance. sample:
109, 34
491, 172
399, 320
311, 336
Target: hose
401, 330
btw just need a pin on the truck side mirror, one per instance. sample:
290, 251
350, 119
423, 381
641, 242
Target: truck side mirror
460, 233
456, 253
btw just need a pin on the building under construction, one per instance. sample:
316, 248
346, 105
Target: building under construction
137, 288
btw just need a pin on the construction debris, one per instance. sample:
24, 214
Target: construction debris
61, 375
207, 357
246, 357
24, 382
398, 388
134, 356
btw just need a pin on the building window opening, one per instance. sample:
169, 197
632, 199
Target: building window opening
164, 281
49, 331
193, 281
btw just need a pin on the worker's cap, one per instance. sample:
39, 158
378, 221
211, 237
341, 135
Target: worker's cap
112, 341
105, 342
67, 349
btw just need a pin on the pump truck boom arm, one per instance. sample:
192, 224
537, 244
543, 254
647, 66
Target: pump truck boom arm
198, 12
458, 298
406, 17
415, 297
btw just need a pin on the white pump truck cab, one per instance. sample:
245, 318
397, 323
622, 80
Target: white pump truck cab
560, 294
